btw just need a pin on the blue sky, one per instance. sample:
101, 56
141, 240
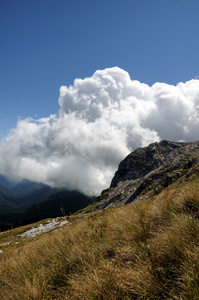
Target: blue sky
49, 43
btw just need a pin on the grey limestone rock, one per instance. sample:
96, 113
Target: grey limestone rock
146, 171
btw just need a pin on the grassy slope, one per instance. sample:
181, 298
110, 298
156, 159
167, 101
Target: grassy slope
144, 250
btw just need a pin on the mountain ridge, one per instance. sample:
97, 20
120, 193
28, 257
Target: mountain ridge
143, 173
147, 170
28, 202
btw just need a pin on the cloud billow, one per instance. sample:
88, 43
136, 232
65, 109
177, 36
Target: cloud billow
101, 119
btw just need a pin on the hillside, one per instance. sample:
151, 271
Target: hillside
146, 249
27, 202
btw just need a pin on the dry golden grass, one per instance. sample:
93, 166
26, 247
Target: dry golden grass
144, 250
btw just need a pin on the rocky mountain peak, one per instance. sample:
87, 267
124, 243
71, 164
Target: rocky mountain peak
144, 160
146, 171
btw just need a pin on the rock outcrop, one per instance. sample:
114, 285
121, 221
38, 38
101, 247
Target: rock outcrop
146, 171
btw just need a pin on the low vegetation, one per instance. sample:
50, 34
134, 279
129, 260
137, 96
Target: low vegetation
144, 250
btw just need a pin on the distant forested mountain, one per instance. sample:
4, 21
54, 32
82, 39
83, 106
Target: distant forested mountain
26, 202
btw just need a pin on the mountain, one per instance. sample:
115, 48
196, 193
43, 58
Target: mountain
27, 202
143, 173
143, 245
146, 171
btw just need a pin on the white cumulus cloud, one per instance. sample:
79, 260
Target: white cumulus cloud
101, 119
